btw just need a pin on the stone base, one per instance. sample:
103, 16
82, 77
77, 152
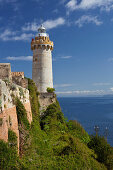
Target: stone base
45, 99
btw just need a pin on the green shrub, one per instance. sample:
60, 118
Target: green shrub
1, 121
22, 114
12, 138
102, 149
53, 112
8, 157
33, 98
50, 90
77, 130
21, 92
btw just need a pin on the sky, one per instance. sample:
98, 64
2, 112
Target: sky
82, 32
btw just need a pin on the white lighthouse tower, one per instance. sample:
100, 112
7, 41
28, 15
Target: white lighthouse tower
42, 60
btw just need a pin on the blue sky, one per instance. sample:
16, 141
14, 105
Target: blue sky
82, 32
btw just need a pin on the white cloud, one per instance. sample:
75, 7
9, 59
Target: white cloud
82, 92
111, 89
85, 19
101, 84
110, 59
49, 24
9, 35
66, 57
23, 37
71, 5
89, 4
63, 85
21, 58
30, 26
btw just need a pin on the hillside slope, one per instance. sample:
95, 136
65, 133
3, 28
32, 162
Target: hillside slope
49, 142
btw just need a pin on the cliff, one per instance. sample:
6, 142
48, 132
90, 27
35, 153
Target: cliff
50, 142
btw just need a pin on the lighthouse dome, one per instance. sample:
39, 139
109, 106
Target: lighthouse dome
42, 31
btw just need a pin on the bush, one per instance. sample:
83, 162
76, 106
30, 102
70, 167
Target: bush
8, 157
102, 149
33, 98
21, 114
52, 112
50, 90
77, 130
12, 138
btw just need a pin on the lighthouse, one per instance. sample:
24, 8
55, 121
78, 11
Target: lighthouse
42, 60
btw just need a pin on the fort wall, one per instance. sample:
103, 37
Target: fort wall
8, 115
5, 71
45, 99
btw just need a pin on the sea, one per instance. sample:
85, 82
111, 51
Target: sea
93, 113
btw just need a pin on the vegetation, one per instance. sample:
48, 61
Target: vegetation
8, 157
103, 150
33, 98
50, 142
12, 139
22, 114
50, 90
1, 121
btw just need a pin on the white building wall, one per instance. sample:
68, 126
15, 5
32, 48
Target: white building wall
42, 69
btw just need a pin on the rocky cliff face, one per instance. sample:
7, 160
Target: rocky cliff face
8, 115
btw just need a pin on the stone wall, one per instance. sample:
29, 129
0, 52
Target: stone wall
18, 78
45, 99
8, 115
9, 120
5, 71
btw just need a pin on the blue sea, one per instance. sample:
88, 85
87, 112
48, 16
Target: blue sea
90, 112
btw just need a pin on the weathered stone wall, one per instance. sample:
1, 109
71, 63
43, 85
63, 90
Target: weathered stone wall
9, 118
8, 115
45, 99
42, 69
5, 71
3, 127
18, 78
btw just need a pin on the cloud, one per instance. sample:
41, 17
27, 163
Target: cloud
63, 85
111, 89
23, 37
101, 84
89, 4
82, 92
66, 57
21, 58
110, 59
49, 24
71, 5
62, 57
9, 35
85, 19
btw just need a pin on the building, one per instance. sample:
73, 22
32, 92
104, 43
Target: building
42, 60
